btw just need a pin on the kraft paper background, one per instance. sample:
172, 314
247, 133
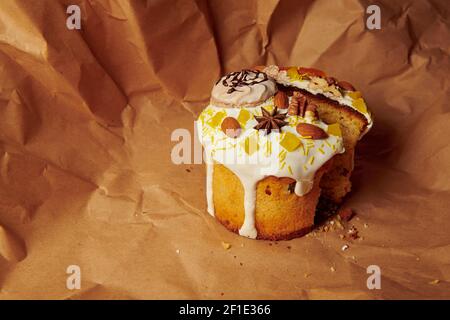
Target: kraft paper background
86, 176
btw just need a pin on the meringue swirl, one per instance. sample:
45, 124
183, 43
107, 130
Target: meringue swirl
244, 88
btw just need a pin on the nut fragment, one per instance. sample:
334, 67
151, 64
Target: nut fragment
334, 91
293, 104
318, 83
347, 86
231, 127
281, 100
310, 130
331, 80
311, 112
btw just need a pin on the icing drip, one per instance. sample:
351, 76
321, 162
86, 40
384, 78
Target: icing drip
209, 188
248, 228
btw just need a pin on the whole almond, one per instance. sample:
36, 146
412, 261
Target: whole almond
311, 72
281, 100
310, 130
347, 86
231, 127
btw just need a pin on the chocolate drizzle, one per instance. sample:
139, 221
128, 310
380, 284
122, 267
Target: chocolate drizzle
243, 78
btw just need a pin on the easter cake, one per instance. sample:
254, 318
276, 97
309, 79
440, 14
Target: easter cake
274, 140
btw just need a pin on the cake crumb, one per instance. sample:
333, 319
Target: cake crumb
366, 225
332, 269
226, 245
345, 247
242, 245
353, 233
306, 275
346, 214
289, 247
177, 251
241, 264
434, 282
341, 236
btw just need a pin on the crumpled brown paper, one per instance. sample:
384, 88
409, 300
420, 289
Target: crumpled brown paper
86, 176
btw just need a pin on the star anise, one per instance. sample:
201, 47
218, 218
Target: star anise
270, 121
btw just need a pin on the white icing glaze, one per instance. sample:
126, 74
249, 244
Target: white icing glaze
270, 159
209, 178
247, 94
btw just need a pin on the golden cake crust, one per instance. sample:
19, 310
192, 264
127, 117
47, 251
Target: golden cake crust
280, 214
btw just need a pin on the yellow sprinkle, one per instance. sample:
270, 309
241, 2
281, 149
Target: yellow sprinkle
282, 165
282, 155
311, 160
303, 150
327, 143
268, 147
305, 168
290, 170
307, 151
321, 151
250, 144
216, 120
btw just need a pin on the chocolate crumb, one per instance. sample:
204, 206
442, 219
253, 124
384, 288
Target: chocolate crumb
353, 233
